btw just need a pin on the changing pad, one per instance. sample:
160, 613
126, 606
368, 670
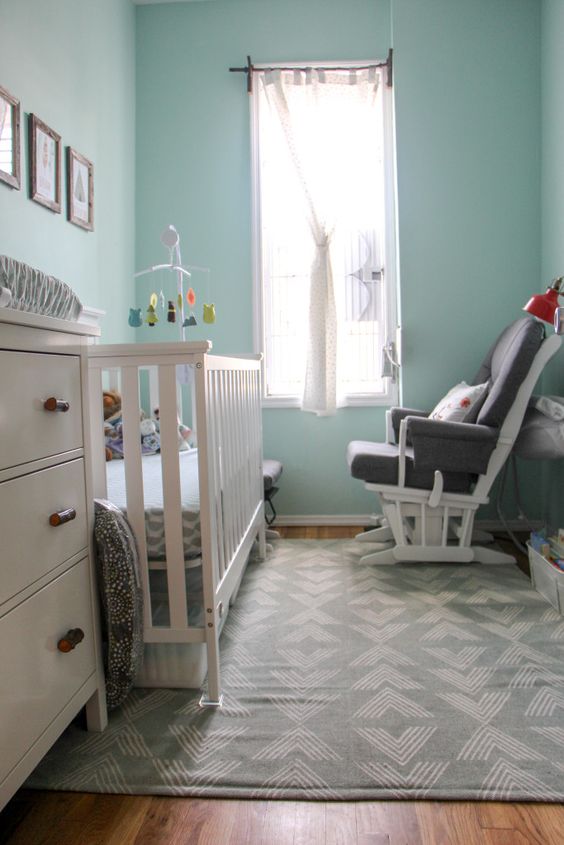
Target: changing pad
37, 292
153, 497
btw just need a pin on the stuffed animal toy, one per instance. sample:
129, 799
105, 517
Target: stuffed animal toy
150, 440
184, 432
112, 403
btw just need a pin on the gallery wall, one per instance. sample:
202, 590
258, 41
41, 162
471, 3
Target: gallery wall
71, 63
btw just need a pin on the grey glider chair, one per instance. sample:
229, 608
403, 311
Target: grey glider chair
432, 475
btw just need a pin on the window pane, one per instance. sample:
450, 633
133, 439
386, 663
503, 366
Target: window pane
344, 144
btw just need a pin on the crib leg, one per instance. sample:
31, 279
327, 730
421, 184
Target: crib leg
209, 704
262, 541
213, 698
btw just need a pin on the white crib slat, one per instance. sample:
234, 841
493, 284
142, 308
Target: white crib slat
228, 467
210, 573
97, 433
134, 476
171, 497
243, 450
215, 457
237, 492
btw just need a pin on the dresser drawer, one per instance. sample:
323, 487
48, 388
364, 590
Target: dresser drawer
28, 431
31, 546
38, 680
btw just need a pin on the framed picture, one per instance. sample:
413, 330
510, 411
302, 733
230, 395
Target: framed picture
9, 139
45, 165
80, 187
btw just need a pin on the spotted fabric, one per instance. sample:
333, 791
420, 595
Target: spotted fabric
122, 600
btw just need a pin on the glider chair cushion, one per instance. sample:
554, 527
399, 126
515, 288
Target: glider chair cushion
377, 463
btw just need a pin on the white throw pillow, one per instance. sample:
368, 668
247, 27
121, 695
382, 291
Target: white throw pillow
459, 402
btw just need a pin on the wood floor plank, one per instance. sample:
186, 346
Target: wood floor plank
540, 824
504, 837
448, 823
216, 825
248, 822
280, 823
396, 819
310, 823
340, 823
166, 820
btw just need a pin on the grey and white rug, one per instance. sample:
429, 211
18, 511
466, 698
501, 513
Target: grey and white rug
350, 682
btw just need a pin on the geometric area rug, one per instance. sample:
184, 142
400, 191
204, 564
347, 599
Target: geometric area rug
350, 682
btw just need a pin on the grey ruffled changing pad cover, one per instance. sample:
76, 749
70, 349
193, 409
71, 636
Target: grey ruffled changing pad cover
37, 292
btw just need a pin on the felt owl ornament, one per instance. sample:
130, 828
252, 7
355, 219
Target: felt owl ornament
135, 319
171, 316
151, 317
209, 313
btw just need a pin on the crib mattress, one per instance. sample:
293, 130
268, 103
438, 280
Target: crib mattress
153, 498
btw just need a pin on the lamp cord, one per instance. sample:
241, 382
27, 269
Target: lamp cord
499, 497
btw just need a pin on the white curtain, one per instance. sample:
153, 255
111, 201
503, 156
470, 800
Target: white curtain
311, 105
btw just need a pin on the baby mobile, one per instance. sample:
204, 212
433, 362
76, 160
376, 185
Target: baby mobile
173, 310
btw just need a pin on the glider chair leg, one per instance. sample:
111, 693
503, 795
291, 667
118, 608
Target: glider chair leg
384, 557
483, 555
375, 535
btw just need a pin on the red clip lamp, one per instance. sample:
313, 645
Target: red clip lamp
544, 305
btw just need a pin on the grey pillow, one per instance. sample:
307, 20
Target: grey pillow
121, 595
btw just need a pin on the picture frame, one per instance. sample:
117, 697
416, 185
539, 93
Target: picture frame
45, 164
10, 161
80, 190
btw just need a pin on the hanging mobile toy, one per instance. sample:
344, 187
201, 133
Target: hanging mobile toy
151, 317
162, 300
209, 313
191, 300
171, 315
135, 319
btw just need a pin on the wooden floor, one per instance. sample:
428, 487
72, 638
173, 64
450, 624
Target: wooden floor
63, 818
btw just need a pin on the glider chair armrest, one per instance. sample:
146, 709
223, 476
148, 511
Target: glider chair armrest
394, 417
451, 446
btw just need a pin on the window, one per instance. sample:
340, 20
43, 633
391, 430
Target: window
324, 238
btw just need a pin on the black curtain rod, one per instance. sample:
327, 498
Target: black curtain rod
249, 69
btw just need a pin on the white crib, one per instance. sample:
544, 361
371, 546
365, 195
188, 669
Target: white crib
225, 398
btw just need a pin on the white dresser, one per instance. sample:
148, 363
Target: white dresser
50, 656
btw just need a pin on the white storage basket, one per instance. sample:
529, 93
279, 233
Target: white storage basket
547, 579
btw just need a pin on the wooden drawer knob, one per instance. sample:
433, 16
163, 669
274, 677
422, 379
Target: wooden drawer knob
53, 404
71, 639
61, 517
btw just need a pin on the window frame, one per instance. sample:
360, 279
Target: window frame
390, 396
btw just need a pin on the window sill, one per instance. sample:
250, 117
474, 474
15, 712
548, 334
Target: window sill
359, 400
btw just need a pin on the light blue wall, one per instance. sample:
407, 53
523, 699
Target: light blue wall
71, 62
467, 88
553, 208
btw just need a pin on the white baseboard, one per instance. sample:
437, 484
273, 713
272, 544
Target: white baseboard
492, 525
323, 519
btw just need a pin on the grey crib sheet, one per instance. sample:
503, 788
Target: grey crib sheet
153, 498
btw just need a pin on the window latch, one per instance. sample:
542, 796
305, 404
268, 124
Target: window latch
390, 364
